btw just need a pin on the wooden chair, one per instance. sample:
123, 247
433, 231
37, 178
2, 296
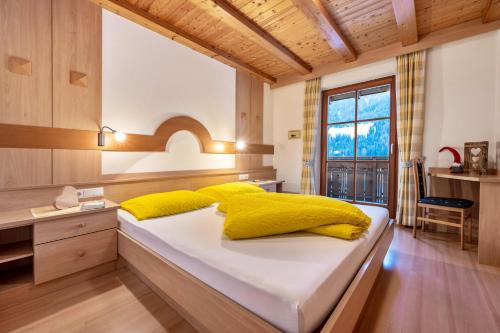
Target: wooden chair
444, 208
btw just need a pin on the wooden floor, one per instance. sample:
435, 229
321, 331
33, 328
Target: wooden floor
115, 302
427, 285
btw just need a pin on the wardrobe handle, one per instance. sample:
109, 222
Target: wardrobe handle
78, 79
80, 253
20, 66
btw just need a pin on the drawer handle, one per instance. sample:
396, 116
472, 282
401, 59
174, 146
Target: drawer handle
81, 225
80, 253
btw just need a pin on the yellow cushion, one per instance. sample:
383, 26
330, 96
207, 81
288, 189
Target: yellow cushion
224, 191
343, 231
353, 214
167, 203
250, 216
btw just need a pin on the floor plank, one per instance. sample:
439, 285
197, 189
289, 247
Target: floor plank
115, 302
429, 285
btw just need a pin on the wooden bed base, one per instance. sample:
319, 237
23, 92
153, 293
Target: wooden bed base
210, 311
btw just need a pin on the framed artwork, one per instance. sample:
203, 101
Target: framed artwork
476, 156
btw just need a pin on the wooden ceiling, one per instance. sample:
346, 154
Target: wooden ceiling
284, 41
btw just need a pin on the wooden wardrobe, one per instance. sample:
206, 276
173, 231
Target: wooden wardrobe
50, 76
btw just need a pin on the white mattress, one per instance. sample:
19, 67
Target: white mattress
292, 281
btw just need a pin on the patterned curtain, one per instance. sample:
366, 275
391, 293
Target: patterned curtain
410, 81
311, 110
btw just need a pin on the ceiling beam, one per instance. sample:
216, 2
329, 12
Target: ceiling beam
238, 21
406, 17
321, 17
432, 39
492, 11
144, 18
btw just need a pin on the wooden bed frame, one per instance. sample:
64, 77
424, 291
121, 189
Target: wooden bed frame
208, 310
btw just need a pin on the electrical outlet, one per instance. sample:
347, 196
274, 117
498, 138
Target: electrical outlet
92, 192
80, 194
243, 176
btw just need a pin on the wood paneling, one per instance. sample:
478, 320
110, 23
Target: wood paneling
366, 25
25, 33
75, 166
489, 228
439, 37
492, 11
238, 21
21, 136
319, 14
435, 15
25, 167
77, 70
122, 192
76, 48
407, 20
249, 117
122, 187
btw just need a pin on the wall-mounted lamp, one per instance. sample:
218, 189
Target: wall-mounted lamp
241, 145
101, 136
220, 147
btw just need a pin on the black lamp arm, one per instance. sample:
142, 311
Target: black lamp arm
107, 127
101, 137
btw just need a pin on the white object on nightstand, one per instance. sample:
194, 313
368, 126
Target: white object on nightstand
93, 205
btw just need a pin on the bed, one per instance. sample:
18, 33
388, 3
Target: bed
285, 283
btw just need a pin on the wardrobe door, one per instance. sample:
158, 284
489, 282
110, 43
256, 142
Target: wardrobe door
77, 26
249, 117
25, 87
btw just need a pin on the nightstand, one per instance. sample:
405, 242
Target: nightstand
64, 242
269, 185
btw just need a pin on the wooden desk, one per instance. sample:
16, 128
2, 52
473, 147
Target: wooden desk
489, 211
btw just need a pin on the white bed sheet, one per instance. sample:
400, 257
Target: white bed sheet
292, 281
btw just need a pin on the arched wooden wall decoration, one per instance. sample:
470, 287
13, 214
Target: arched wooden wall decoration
21, 136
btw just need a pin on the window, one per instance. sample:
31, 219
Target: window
358, 143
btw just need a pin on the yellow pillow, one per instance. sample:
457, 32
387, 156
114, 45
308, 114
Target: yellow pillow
250, 216
164, 204
223, 191
355, 216
343, 231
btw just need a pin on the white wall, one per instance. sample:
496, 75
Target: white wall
462, 102
461, 92
147, 79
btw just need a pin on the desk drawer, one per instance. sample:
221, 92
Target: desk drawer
53, 230
67, 256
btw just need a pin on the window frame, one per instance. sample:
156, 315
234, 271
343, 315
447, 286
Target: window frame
393, 155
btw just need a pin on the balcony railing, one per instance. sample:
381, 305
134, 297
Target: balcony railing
372, 181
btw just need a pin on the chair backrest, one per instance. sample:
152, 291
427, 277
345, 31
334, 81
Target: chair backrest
419, 178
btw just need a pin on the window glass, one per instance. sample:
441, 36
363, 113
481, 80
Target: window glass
341, 141
374, 102
341, 107
373, 139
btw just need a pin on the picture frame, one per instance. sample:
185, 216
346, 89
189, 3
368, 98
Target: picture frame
476, 157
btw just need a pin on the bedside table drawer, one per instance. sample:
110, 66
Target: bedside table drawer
49, 231
67, 256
